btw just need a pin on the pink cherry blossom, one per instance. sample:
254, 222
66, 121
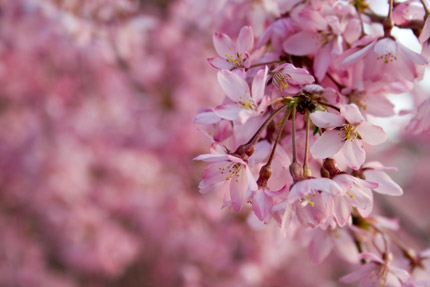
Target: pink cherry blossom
338, 239
420, 123
231, 55
245, 103
375, 172
358, 195
386, 60
262, 202
351, 130
289, 79
377, 272
227, 172
310, 200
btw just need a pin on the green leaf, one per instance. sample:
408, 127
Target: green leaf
316, 129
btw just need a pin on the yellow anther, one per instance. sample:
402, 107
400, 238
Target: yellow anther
349, 132
350, 194
282, 80
247, 105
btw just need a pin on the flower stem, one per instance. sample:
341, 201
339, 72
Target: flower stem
278, 137
330, 106
246, 148
266, 170
293, 134
389, 23
265, 63
306, 170
426, 8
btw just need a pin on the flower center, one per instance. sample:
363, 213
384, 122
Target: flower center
235, 58
232, 170
348, 132
389, 57
282, 81
306, 200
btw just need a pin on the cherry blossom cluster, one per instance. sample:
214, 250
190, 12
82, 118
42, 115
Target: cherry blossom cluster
290, 138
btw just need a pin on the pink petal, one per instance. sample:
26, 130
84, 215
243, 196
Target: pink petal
400, 273
262, 205
299, 190
357, 56
385, 46
341, 210
245, 41
258, 84
425, 33
351, 113
379, 106
378, 166
365, 212
386, 184
223, 44
326, 185
228, 111
327, 120
371, 257
371, 134
238, 188
206, 116
233, 86
252, 183
303, 43
352, 31
220, 63
359, 274
328, 144
286, 219
354, 153
415, 57
362, 197
299, 76
211, 157
322, 61
271, 193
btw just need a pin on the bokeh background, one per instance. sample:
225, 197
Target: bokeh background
97, 183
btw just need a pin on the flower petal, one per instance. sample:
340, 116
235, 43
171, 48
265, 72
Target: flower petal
354, 153
303, 43
238, 188
425, 33
351, 113
223, 44
357, 56
245, 41
328, 144
371, 134
322, 61
228, 111
220, 63
327, 120
360, 273
262, 205
233, 86
386, 184
258, 84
